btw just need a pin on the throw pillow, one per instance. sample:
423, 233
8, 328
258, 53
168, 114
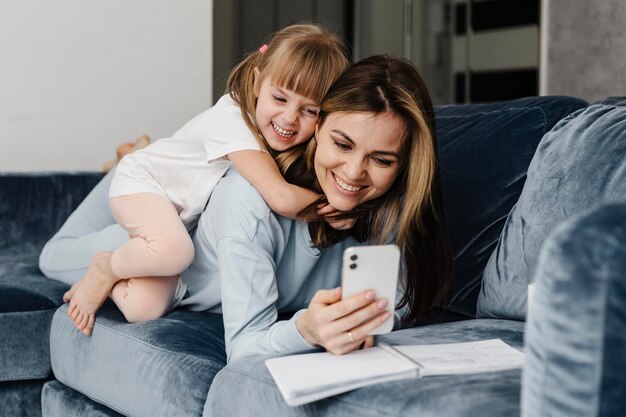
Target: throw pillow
484, 152
579, 165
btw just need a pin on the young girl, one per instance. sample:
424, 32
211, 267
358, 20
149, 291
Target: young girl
158, 193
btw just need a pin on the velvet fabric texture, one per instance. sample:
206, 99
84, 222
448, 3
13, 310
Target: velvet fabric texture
576, 338
161, 367
579, 165
59, 401
32, 207
25, 349
478, 395
484, 152
21, 399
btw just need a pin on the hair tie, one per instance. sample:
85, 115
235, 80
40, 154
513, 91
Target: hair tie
263, 49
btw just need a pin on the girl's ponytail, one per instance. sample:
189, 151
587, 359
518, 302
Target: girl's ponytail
240, 86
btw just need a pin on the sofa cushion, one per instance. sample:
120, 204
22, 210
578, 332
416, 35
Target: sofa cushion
488, 394
159, 367
575, 367
579, 165
27, 303
33, 206
57, 400
21, 398
484, 152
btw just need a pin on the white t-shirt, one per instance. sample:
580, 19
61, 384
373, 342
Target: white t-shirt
186, 167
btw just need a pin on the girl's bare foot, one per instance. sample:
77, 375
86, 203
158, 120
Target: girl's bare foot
124, 149
86, 296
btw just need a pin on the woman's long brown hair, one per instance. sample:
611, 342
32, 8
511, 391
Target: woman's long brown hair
411, 211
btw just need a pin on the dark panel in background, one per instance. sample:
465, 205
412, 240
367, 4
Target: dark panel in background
256, 22
242, 26
461, 19
491, 86
482, 18
496, 14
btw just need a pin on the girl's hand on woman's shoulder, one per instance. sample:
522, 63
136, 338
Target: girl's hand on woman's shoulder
341, 326
328, 213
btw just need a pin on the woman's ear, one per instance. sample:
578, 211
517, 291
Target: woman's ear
257, 82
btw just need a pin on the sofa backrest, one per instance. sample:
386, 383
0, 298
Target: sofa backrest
484, 152
34, 205
578, 166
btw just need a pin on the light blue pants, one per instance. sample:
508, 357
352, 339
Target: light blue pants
90, 229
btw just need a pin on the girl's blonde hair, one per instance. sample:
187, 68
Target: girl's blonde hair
304, 58
410, 212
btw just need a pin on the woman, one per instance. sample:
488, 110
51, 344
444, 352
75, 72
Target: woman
374, 156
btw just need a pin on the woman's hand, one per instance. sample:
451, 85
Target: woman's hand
342, 326
328, 212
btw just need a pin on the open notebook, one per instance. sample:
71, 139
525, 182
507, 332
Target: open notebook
308, 377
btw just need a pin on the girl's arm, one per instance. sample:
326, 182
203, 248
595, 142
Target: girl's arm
241, 243
260, 170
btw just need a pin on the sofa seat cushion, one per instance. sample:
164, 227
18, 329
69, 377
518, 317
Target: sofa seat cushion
484, 152
579, 165
160, 367
22, 286
21, 398
57, 400
488, 394
27, 303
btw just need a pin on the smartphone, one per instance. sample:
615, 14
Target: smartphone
372, 268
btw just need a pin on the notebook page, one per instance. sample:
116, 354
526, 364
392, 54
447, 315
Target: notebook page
300, 375
468, 357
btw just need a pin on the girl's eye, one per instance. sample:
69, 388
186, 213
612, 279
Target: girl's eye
280, 99
311, 112
382, 162
342, 146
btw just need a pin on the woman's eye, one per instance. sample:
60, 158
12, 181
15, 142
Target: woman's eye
342, 146
382, 162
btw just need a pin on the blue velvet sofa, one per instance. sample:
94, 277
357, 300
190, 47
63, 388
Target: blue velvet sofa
534, 190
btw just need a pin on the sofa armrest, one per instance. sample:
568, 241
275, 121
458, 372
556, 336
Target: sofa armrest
34, 205
575, 339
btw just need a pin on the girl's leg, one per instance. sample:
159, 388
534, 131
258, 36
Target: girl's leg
160, 244
145, 298
89, 230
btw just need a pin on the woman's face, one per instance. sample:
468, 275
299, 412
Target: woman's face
358, 156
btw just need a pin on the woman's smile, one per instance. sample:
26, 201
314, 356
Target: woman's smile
345, 187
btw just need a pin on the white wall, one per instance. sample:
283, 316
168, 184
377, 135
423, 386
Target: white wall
78, 77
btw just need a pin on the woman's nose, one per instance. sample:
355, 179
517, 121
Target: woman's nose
354, 169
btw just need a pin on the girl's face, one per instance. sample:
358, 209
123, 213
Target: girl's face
358, 156
285, 118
